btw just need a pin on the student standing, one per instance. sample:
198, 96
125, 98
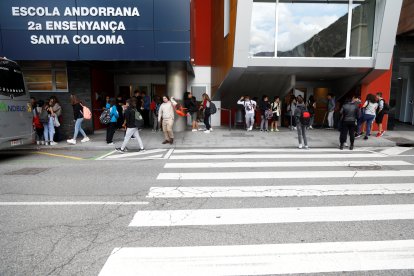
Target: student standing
112, 126
166, 114
131, 127
349, 116
192, 109
370, 107
300, 108
311, 108
155, 107
380, 114
275, 106
264, 107
249, 107
331, 110
206, 108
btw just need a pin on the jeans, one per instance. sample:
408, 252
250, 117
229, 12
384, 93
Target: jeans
110, 131
48, 130
302, 133
249, 120
129, 133
264, 124
331, 119
366, 118
207, 120
78, 128
347, 127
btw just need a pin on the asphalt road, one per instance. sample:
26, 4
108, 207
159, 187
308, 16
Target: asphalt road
64, 212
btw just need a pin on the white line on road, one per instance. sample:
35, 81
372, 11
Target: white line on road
207, 165
263, 259
168, 154
281, 191
140, 153
105, 155
247, 150
284, 174
272, 215
395, 150
276, 156
54, 203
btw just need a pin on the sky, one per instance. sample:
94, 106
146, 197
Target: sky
297, 23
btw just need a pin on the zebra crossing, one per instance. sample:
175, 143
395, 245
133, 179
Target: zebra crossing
349, 174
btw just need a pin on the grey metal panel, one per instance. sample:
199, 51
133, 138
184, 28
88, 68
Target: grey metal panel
242, 37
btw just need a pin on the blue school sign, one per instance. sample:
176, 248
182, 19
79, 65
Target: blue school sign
95, 29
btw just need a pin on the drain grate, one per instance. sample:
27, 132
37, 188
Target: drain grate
27, 171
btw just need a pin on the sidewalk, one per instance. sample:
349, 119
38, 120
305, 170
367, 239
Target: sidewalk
235, 138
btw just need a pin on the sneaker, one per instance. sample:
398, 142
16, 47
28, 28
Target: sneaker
153, 130
261, 130
351, 147
207, 131
194, 130
295, 128
272, 130
341, 147
141, 150
266, 130
110, 144
310, 127
345, 144
211, 129
53, 143
306, 147
378, 134
277, 129
71, 141
300, 146
251, 128
37, 142
358, 135
366, 138
85, 139
120, 150
382, 133
42, 142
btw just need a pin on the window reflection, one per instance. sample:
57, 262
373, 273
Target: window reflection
362, 29
263, 29
312, 29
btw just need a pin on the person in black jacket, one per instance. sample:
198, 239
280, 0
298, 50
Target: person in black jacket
264, 106
192, 109
349, 115
131, 128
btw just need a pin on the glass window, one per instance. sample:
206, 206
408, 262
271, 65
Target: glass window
362, 28
263, 29
45, 76
312, 28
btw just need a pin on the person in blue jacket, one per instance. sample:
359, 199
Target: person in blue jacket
110, 131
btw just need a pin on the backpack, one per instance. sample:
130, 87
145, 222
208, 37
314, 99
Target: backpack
105, 117
44, 117
268, 114
305, 117
213, 108
139, 121
86, 112
386, 107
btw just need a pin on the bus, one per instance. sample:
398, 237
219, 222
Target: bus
16, 117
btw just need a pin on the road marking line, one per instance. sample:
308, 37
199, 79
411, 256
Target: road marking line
275, 156
105, 155
53, 203
281, 191
59, 155
192, 217
284, 174
285, 164
140, 153
247, 150
261, 259
168, 154
395, 150
152, 157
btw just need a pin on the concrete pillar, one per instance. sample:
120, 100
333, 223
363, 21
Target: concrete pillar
176, 86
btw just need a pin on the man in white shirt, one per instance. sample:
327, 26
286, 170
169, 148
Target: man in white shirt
249, 107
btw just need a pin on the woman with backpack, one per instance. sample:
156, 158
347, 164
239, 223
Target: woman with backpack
301, 126
131, 126
78, 119
112, 126
370, 108
206, 108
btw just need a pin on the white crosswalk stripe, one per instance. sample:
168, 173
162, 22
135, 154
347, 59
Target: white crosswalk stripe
358, 171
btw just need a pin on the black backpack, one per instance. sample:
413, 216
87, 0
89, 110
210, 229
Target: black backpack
386, 107
213, 108
105, 117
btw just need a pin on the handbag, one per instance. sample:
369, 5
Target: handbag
56, 122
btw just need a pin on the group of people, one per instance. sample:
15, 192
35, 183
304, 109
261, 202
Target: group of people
47, 116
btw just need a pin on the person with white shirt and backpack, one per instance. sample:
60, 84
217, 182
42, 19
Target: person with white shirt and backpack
249, 107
